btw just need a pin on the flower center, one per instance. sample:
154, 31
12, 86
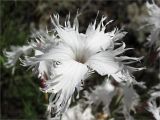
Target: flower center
80, 59
82, 55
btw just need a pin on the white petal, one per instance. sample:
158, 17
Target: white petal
68, 34
15, 53
123, 58
130, 100
123, 76
102, 94
119, 35
77, 113
154, 14
121, 49
73, 113
43, 69
59, 53
43, 41
154, 109
97, 39
70, 74
104, 63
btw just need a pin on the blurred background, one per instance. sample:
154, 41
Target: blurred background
20, 94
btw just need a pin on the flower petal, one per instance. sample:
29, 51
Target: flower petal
59, 53
68, 34
104, 63
70, 74
42, 68
78, 113
123, 76
15, 53
97, 39
130, 100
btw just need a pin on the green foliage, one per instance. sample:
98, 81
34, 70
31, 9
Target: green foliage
20, 96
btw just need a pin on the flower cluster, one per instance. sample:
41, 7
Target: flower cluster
64, 58
153, 21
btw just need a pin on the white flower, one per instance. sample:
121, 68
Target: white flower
43, 41
102, 94
70, 56
152, 105
154, 109
77, 113
153, 20
15, 53
154, 14
130, 100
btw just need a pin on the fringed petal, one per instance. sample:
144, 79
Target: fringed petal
70, 74
15, 53
104, 63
